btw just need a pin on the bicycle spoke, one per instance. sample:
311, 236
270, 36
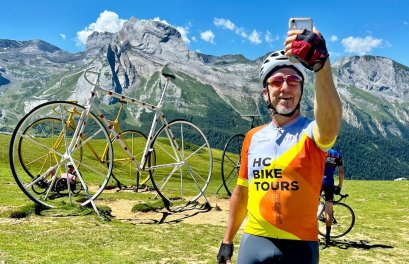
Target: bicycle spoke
124, 168
165, 180
39, 149
195, 152
184, 181
231, 162
236, 163
42, 145
231, 176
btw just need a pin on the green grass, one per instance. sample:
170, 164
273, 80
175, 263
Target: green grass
72, 235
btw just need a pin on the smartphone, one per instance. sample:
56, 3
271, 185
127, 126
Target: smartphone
295, 23
299, 23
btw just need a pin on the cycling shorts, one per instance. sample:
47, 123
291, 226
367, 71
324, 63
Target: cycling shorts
328, 192
257, 249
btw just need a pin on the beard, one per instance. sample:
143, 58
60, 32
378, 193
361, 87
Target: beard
284, 109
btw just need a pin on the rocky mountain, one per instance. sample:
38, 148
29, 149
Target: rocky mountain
209, 90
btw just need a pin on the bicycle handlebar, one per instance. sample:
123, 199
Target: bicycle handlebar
253, 117
87, 71
341, 197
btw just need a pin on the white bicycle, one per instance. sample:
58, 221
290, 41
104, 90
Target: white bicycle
177, 156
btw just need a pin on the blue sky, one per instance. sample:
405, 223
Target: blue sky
251, 28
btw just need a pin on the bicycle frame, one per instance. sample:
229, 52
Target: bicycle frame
176, 151
157, 109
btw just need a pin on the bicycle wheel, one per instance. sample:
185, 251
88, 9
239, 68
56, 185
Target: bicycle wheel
231, 162
123, 168
35, 167
43, 143
342, 221
183, 163
61, 187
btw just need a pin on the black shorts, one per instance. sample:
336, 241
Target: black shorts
328, 192
257, 249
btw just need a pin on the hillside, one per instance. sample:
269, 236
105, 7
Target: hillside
209, 90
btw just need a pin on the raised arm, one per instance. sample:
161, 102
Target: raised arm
327, 105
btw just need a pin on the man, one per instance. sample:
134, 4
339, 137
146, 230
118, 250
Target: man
282, 162
332, 161
71, 174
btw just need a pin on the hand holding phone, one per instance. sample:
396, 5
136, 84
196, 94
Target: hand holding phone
299, 23
308, 47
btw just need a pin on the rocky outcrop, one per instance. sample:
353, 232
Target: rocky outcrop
376, 74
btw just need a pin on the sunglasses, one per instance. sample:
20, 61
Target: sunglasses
291, 80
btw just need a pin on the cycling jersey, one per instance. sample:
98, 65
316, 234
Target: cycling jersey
332, 161
282, 168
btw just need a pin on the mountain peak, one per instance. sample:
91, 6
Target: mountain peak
374, 73
28, 46
151, 37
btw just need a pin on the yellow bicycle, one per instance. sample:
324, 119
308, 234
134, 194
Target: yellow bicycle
123, 172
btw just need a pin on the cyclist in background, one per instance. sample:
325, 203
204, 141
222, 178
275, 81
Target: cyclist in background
282, 163
332, 161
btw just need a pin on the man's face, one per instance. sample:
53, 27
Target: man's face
285, 95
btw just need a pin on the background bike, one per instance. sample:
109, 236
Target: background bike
343, 217
123, 173
177, 156
230, 163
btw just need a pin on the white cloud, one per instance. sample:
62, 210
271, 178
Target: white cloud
334, 54
255, 37
194, 39
62, 36
224, 23
160, 20
361, 46
107, 21
184, 31
269, 38
241, 32
333, 38
207, 36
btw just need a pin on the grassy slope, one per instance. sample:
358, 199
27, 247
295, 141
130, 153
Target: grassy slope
379, 236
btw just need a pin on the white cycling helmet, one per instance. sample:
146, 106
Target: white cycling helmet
279, 59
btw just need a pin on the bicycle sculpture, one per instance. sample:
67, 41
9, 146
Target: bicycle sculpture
343, 217
177, 156
230, 163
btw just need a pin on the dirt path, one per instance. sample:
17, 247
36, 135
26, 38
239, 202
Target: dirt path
217, 215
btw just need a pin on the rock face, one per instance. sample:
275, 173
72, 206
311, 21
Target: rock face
208, 89
129, 58
377, 74
142, 47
